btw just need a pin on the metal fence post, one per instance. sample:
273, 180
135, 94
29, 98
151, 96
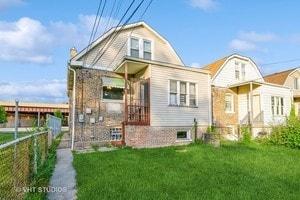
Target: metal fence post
35, 154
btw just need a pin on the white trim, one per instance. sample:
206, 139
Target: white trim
231, 101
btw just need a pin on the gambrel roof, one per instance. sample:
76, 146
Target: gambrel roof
279, 77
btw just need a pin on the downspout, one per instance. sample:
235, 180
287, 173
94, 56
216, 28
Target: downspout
73, 106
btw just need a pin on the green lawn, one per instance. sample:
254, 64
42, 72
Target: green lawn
9, 136
198, 171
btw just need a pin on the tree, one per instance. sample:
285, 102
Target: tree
3, 118
58, 114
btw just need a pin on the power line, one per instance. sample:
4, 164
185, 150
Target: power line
93, 29
108, 66
115, 33
279, 62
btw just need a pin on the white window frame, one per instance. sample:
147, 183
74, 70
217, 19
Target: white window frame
187, 138
141, 47
296, 83
243, 71
231, 103
178, 93
237, 70
277, 106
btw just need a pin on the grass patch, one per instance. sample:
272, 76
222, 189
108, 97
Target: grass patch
10, 136
198, 171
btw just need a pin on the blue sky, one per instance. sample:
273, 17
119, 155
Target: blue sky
36, 37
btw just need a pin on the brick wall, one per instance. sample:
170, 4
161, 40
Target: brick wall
104, 113
224, 119
149, 137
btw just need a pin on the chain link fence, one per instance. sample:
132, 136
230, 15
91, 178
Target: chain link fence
19, 163
55, 124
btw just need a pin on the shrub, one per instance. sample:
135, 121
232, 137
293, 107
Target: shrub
288, 134
246, 134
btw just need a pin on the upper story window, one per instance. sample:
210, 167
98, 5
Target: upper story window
140, 48
182, 93
134, 47
229, 108
237, 70
277, 105
240, 71
296, 83
147, 50
243, 71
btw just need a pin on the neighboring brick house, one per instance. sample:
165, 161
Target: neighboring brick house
130, 86
240, 96
291, 79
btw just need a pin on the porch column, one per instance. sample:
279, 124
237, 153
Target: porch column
251, 107
126, 106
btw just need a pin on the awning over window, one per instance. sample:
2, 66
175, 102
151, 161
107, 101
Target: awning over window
113, 82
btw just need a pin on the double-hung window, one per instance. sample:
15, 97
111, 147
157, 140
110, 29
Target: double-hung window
277, 105
147, 50
134, 47
140, 48
192, 94
296, 83
243, 71
229, 103
182, 93
173, 92
237, 70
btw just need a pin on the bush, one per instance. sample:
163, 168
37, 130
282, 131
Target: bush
246, 134
289, 134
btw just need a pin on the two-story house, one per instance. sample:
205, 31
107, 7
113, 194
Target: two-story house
291, 79
131, 87
240, 96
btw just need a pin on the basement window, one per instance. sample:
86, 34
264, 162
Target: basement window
182, 135
115, 134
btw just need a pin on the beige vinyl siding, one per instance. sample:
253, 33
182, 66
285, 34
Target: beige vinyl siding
111, 57
119, 48
267, 92
227, 74
163, 52
290, 82
243, 103
164, 115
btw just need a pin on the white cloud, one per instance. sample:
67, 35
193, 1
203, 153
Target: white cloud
203, 4
39, 91
78, 34
24, 41
257, 37
242, 45
8, 3
252, 41
29, 41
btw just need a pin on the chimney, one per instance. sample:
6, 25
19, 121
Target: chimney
73, 52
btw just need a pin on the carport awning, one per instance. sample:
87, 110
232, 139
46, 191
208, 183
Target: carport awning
113, 82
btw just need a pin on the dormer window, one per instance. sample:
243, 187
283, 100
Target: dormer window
140, 48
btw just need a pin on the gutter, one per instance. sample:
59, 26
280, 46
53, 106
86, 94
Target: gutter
73, 106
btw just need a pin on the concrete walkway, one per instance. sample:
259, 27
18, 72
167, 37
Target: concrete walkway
62, 183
